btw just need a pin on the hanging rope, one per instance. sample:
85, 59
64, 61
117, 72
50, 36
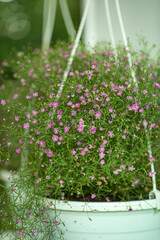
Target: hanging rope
49, 13
136, 83
110, 27
67, 19
79, 33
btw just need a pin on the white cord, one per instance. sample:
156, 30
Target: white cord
110, 27
136, 83
67, 19
49, 13
79, 33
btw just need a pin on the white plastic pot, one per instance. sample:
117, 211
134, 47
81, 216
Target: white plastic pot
135, 220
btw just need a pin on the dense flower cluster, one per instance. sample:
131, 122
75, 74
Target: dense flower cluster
91, 141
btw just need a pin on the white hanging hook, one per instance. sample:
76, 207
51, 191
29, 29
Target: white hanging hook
67, 19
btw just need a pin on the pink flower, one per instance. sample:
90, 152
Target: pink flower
93, 129
26, 125
93, 196
17, 118
98, 114
18, 150
124, 136
135, 183
28, 115
48, 69
42, 109
15, 96
145, 91
49, 153
101, 155
21, 233
82, 153
107, 70
55, 138
3, 102
56, 130
34, 112
157, 84
55, 223
60, 138
117, 171
122, 166
28, 97
42, 143
19, 220
35, 94
71, 74
151, 159
151, 173
152, 125
13, 188
101, 149
73, 152
55, 104
111, 134
102, 162
66, 129
131, 169
145, 123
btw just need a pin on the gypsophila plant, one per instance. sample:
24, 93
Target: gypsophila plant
90, 143
27, 213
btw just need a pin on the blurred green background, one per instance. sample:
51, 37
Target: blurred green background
21, 24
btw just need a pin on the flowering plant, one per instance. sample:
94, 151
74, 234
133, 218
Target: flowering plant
91, 140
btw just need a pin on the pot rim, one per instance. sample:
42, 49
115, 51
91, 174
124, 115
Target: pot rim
101, 206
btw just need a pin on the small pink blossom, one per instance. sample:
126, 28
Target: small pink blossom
152, 125
93, 196
102, 162
55, 223
83, 153
19, 220
101, 155
15, 96
18, 150
28, 115
135, 183
26, 125
55, 104
3, 102
73, 152
131, 169
55, 138
21, 233
151, 159
13, 188
117, 171
71, 74
50, 153
34, 112
145, 123
66, 129
151, 173
28, 97
16, 118
35, 94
